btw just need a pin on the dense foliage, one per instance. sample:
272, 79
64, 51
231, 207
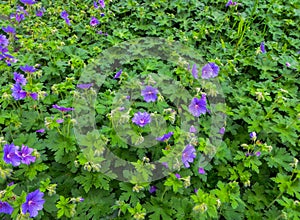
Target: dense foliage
244, 65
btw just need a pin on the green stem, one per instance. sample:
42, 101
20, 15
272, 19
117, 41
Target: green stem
162, 195
279, 195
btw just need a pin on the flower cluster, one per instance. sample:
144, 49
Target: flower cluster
13, 156
64, 15
17, 91
4, 42
209, 70
34, 202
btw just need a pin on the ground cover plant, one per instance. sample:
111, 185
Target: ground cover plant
140, 109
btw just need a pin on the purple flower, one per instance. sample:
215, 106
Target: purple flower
195, 190
188, 155
253, 136
152, 189
28, 2
59, 121
19, 78
165, 136
118, 74
177, 175
11, 154
67, 20
195, 71
198, 106
33, 95
40, 12
94, 22
165, 164
10, 184
34, 203
64, 14
141, 119
150, 94
25, 155
193, 129
6, 208
27, 69
20, 17
96, 5
257, 153
201, 170
40, 131
210, 70
3, 41
85, 86
262, 47
17, 92
9, 30
228, 3
102, 3
222, 130
287, 64
102, 14
62, 109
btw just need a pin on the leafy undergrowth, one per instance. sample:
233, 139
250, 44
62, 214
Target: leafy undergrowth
200, 106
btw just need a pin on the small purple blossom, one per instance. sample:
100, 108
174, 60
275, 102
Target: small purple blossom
28, 69
40, 12
165, 164
195, 71
193, 129
10, 184
64, 14
33, 95
28, 2
201, 170
62, 109
85, 86
9, 30
165, 136
198, 106
118, 74
189, 67
25, 155
177, 175
102, 3
94, 22
19, 78
195, 190
152, 189
229, 3
5, 208
96, 5
287, 64
17, 92
188, 155
141, 119
262, 47
222, 130
258, 153
102, 14
11, 154
253, 136
40, 130
210, 70
149, 94
59, 121
3, 41
81, 199
34, 203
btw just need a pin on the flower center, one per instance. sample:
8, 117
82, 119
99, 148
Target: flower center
142, 121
